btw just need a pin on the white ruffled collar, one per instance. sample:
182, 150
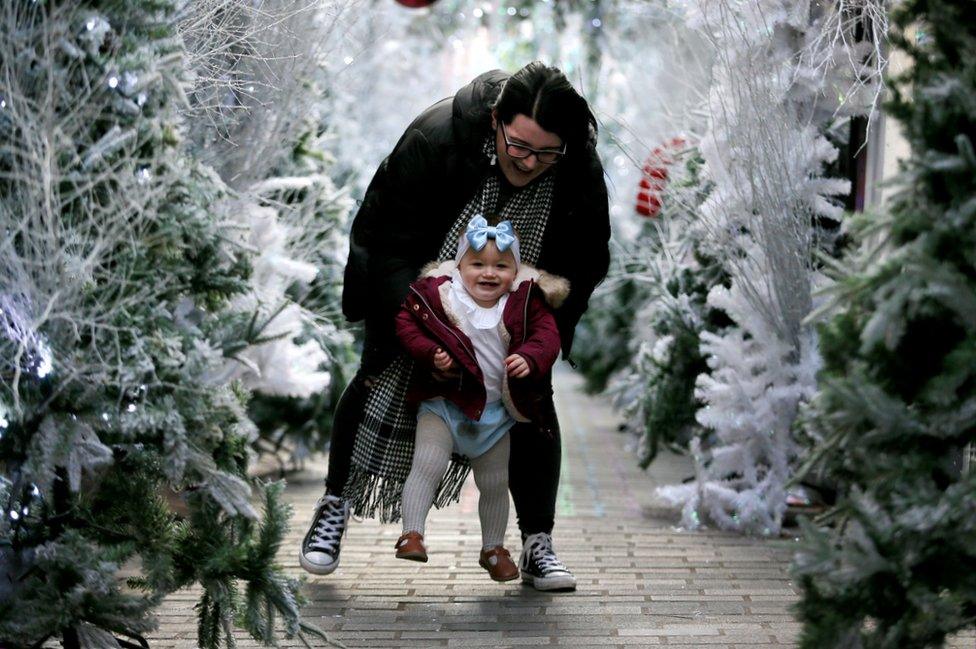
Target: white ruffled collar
480, 317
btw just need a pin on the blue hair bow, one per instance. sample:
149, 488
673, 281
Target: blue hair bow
479, 232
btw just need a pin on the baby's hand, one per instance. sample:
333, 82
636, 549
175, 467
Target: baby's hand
442, 360
516, 366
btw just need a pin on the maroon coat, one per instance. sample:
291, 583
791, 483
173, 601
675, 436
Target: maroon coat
425, 324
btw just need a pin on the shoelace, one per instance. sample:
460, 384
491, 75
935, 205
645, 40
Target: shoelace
328, 530
545, 556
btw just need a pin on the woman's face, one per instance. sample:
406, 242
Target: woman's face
523, 130
487, 274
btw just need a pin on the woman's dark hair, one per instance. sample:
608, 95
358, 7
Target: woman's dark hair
544, 94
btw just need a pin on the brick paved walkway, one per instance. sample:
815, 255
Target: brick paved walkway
641, 582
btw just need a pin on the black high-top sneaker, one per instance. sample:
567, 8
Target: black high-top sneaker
319, 553
541, 568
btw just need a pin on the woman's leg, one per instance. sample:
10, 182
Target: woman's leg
320, 548
349, 411
534, 480
345, 423
431, 454
491, 476
319, 552
533, 473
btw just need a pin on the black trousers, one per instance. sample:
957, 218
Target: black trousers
533, 468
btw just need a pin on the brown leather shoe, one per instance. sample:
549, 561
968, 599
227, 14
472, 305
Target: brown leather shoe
498, 562
410, 546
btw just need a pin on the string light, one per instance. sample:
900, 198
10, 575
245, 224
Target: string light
113, 82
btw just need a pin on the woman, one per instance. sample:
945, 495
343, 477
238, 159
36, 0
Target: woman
520, 146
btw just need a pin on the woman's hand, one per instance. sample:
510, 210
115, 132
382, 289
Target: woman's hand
442, 360
516, 366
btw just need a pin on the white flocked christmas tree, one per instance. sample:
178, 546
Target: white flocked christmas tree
778, 82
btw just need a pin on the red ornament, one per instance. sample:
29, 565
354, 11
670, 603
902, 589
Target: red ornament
654, 177
416, 4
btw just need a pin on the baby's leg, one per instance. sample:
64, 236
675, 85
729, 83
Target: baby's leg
431, 453
491, 476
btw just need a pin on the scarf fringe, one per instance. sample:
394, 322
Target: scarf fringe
371, 495
449, 490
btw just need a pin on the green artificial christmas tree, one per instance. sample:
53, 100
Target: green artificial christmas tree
604, 339
116, 281
610, 332
640, 338
892, 564
671, 367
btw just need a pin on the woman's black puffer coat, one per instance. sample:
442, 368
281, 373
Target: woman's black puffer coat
421, 187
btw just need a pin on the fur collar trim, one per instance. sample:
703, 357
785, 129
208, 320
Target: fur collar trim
554, 288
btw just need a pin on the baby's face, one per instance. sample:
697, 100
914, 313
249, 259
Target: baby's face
487, 275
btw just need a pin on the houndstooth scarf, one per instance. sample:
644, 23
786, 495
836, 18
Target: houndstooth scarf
383, 449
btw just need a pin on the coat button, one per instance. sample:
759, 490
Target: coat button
416, 307
424, 316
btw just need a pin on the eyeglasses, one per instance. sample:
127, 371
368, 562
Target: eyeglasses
520, 151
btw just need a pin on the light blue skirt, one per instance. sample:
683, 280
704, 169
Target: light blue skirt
471, 438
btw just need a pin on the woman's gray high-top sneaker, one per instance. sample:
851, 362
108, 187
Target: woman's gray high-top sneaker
541, 568
319, 553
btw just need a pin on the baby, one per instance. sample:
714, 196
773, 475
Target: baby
482, 326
